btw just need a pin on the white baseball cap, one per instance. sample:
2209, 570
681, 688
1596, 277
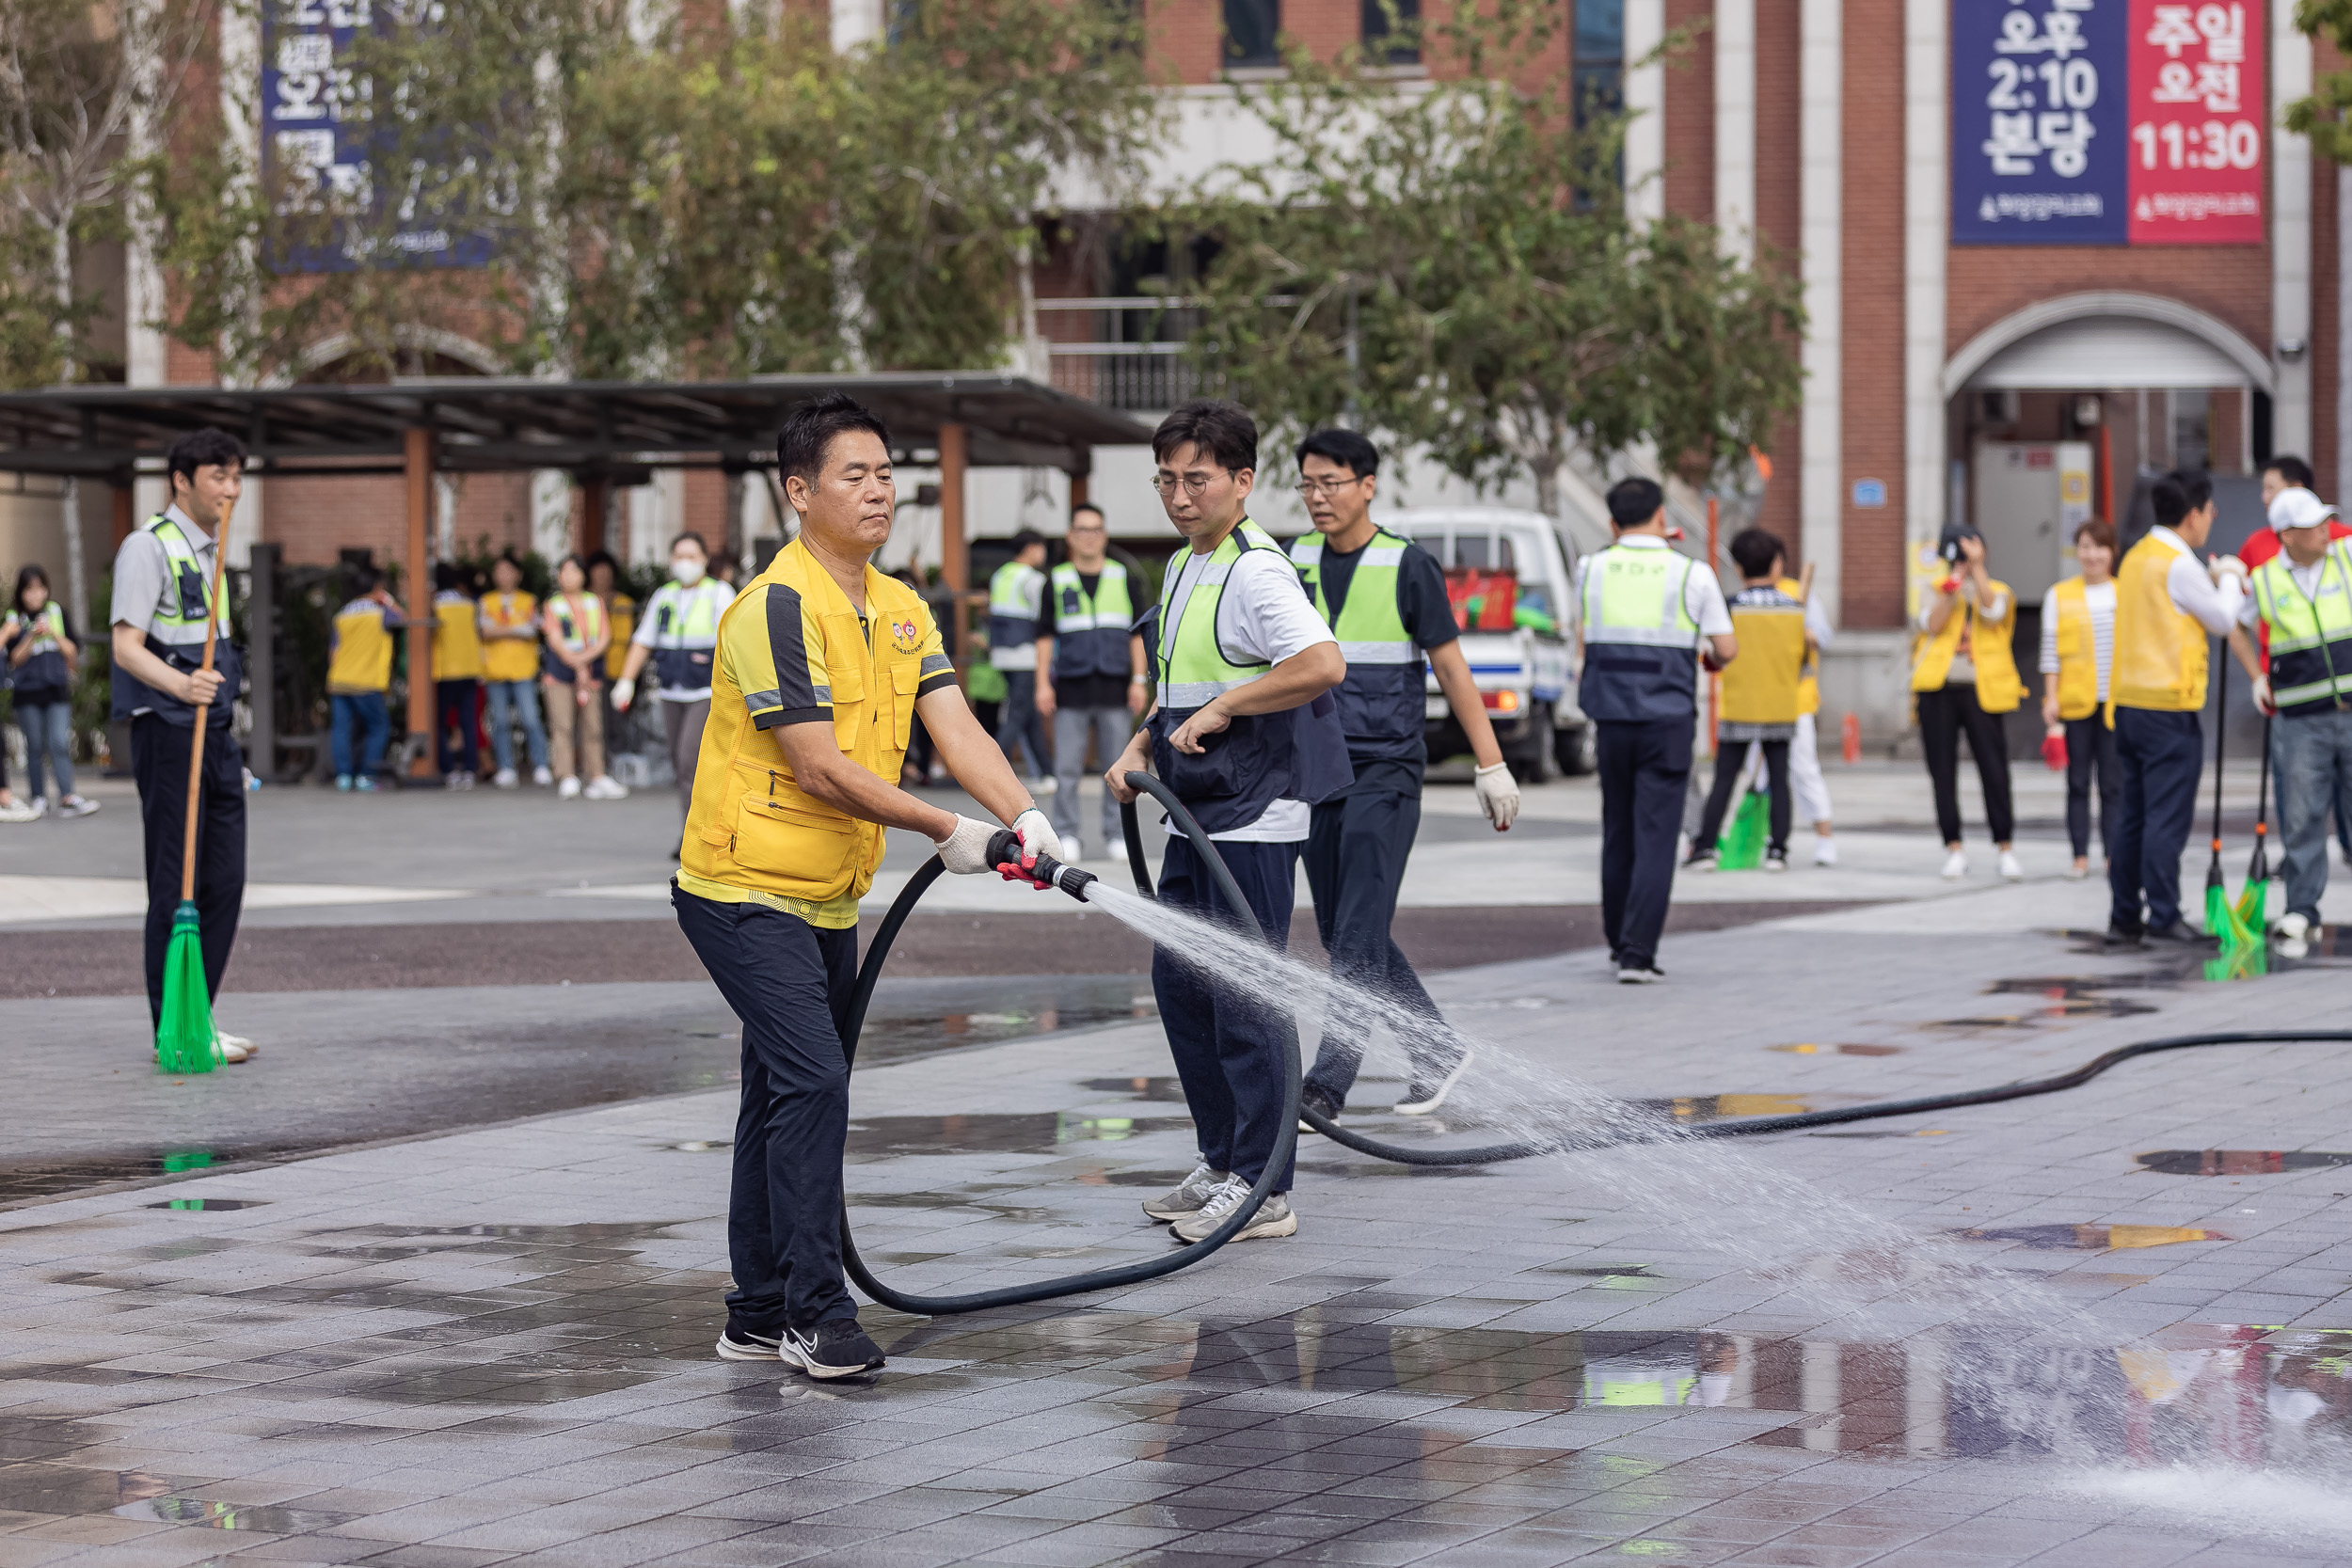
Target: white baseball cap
2298, 507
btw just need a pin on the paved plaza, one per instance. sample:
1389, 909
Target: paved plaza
434, 1281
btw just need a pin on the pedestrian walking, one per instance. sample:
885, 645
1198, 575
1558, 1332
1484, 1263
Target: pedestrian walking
1648, 618
1246, 733
1963, 679
822, 664
2283, 472
571, 672
1091, 679
457, 671
358, 672
2166, 604
679, 637
162, 598
42, 656
1760, 697
2078, 662
2301, 599
1016, 607
510, 665
1384, 598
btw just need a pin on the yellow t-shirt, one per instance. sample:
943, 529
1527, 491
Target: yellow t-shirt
620, 613
360, 659
509, 659
457, 638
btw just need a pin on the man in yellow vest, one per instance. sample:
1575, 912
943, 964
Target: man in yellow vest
1761, 696
821, 667
2166, 604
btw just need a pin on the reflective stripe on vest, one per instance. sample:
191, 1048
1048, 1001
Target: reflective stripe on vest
1090, 629
1193, 667
2310, 634
1370, 627
184, 623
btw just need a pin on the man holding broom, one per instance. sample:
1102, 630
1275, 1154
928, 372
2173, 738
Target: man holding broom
167, 599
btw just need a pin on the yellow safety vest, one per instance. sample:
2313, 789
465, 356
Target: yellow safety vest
751, 825
1809, 679
509, 659
457, 638
622, 612
2159, 650
1999, 690
1761, 686
2077, 652
362, 659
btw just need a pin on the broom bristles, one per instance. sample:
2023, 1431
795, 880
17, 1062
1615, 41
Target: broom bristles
185, 1039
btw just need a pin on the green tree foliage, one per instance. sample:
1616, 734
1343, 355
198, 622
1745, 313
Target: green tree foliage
1452, 264
2321, 116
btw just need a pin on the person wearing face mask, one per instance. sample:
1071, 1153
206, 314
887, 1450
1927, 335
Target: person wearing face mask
679, 633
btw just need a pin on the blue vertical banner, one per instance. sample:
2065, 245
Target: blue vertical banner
2040, 122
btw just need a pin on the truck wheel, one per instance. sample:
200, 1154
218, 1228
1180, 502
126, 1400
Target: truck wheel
1535, 762
1575, 750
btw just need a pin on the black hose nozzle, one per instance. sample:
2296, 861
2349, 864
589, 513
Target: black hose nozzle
1004, 853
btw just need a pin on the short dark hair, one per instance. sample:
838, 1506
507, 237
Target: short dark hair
2102, 533
1635, 501
508, 558
1026, 537
363, 578
682, 538
1349, 447
808, 432
1218, 426
1755, 549
604, 559
447, 576
2178, 494
2293, 470
569, 559
202, 449
1101, 516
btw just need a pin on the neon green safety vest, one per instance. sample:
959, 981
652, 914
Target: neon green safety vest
2310, 634
176, 636
1013, 595
1370, 627
685, 630
1089, 630
1639, 636
1193, 667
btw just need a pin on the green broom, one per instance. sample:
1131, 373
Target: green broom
2221, 921
185, 1039
2253, 904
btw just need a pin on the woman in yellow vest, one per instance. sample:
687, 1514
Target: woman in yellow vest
1760, 695
572, 679
1963, 679
2077, 655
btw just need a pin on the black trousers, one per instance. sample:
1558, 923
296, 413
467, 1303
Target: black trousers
2162, 754
1356, 854
159, 764
1022, 728
1731, 763
1944, 715
1644, 770
457, 705
2090, 748
789, 982
1229, 1045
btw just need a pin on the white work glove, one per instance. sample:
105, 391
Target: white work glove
1037, 838
1498, 794
965, 851
2226, 565
2263, 701
624, 692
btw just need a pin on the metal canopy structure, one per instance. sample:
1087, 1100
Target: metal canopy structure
481, 424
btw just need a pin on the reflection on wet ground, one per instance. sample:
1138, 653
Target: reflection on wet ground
2239, 1162
2090, 1237
2064, 997
33, 1179
917, 1018
1809, 1049
208, 1205
879, 1137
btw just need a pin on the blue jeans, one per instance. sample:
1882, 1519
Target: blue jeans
523, 697
366, 709
2162, 755
48, 728
2312, 756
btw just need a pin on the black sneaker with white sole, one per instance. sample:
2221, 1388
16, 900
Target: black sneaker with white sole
739, 1341
835, 1349
1320, 1101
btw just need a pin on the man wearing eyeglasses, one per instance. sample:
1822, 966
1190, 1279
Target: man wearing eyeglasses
1246, 733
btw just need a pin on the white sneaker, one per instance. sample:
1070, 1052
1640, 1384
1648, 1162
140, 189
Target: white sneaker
1775, 863
235, 1048
604, 786
76, 806
1955, 866
543, 776
1046, 786
1825, 851
1188, 1195
2293, 933
1073, 851
1273, 1216
504, 779
569, 788
17, 811
2013, 869
40, 807
454, 779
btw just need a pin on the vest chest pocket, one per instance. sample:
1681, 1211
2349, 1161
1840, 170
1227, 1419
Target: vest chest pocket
905, 678
786, 840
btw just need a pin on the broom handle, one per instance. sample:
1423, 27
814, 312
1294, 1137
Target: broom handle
2220, 741
203, 714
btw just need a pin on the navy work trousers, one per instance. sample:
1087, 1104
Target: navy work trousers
1356, 854
159, 764
1645, 773
789, 982
1229, 1043
2161, 755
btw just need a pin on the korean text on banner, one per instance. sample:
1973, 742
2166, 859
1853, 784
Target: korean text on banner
2038, 105
2197, 108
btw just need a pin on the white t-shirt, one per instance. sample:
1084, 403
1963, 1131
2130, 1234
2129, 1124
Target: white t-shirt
2192, 590
1263, 615
1702, 595
2099, 601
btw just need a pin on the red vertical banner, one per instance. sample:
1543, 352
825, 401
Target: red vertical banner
2198, 114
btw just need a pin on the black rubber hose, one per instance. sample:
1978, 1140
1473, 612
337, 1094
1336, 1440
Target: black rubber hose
1285, 1141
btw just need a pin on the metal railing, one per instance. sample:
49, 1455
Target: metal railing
1133, 355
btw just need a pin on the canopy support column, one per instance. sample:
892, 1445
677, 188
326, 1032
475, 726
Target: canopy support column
417, 463
955, 559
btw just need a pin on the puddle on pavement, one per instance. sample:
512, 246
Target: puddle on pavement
23, 1180
1032, 1132
209, 1205
2089, 1238
239, 1517
1691, 1110
1809, 1049
2238, 1162
42, 1488
1168, 1091
920, 1017
1921, 1132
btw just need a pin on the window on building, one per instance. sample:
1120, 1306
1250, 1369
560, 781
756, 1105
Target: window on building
1391, 32
1599, 70
1250, 26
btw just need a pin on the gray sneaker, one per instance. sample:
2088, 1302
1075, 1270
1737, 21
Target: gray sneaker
1273, 1216
1190, 1194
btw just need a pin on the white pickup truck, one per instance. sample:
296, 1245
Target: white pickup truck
1527, 675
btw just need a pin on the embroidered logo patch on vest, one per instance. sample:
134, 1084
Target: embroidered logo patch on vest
906, 636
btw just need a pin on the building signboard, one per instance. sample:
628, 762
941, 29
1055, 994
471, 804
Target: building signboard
2108, 122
